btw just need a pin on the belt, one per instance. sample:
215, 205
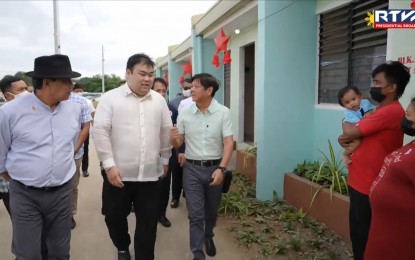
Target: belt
204, 163
48, 189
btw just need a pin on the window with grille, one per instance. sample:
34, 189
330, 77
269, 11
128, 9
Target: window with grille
227, 85
349, 49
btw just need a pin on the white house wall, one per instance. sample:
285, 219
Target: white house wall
401, 44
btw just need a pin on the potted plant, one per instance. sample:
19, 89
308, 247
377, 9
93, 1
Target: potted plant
246, 162
320, 189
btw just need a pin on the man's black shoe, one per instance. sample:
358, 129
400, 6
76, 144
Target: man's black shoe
174, 204
85, 173
164, 221
210, 247
124, 255
73, 223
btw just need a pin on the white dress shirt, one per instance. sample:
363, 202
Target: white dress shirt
133, 133
90, 105
185, 103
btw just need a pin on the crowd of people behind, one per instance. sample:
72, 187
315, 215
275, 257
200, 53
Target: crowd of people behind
185, 144
43, 143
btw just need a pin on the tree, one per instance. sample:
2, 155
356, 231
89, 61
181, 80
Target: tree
27, 79
94, 84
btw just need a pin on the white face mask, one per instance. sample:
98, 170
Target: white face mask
21, 94
186, 93
79, 93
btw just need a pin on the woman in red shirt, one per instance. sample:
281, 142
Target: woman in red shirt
392, 197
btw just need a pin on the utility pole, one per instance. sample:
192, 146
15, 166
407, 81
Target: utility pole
56, 27
103, 74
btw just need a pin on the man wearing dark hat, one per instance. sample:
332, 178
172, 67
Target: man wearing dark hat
37, 133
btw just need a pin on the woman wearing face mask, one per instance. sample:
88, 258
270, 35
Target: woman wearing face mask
392, 197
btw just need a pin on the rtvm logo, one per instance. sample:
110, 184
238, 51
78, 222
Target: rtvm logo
388, 19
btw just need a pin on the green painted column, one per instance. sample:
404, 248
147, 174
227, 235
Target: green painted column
208, 50
285, 99
197, 56
175, 72
159, 73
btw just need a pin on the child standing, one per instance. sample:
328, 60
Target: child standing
356, 108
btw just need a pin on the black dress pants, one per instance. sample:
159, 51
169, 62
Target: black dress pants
105, 187
145, 196
360, 216
177, 176
85, 158
5, 197
165, 193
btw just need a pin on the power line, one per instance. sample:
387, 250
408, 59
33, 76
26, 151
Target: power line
84, 13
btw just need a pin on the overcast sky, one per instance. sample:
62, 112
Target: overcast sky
123, 27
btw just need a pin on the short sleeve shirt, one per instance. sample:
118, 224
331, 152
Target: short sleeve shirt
354, 116
382, 135
204, 133
392, 200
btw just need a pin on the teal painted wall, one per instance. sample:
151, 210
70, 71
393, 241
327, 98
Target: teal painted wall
197, 56
175, 72
208, 50
327, 126
159, 72
287, 44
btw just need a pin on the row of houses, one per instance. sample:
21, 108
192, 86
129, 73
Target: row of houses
289, 59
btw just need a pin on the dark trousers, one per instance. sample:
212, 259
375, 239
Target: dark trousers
145, 196
5, 197
202, 201
165, 193
85, 158
105, 187
177, 176
360, 215
40, 215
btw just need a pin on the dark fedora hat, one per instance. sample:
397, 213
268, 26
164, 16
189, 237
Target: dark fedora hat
55, 66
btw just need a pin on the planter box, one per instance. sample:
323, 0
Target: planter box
334, 213
250, 170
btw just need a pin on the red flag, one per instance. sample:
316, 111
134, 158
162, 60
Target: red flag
166, 78
221, 41
227, 57
187, 68
215, 61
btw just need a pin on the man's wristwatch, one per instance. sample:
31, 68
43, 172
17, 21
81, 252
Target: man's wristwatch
223, 169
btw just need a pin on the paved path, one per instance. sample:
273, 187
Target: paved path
90, 239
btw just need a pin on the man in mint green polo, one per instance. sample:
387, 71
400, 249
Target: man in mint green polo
206, 125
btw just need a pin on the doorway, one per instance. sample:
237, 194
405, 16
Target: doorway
249, 93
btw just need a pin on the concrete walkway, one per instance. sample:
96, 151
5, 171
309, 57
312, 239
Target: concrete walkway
90, 239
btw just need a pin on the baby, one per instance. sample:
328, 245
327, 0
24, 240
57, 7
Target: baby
356, 108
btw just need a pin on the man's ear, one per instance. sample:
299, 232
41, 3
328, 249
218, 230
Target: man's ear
210, 90
8, 96
46, 82
394, 88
